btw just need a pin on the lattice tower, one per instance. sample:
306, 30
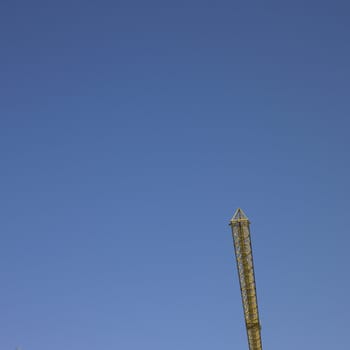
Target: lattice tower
245, 265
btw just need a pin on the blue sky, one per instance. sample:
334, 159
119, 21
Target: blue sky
130, 133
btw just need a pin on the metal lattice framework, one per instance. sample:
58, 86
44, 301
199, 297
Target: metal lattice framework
244, 257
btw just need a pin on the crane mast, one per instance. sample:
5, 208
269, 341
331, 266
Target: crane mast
245, 266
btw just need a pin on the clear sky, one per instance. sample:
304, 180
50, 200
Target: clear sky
130, 133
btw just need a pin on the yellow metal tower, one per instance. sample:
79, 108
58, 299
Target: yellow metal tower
244, 257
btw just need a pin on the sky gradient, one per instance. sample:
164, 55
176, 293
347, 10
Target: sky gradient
130, 133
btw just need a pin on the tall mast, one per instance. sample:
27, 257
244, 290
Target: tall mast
245, 266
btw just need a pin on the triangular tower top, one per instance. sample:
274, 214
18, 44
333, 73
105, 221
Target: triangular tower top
239, 216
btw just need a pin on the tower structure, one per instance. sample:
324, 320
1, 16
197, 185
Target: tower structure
245, 266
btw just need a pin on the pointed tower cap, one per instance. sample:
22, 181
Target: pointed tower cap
239, 216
